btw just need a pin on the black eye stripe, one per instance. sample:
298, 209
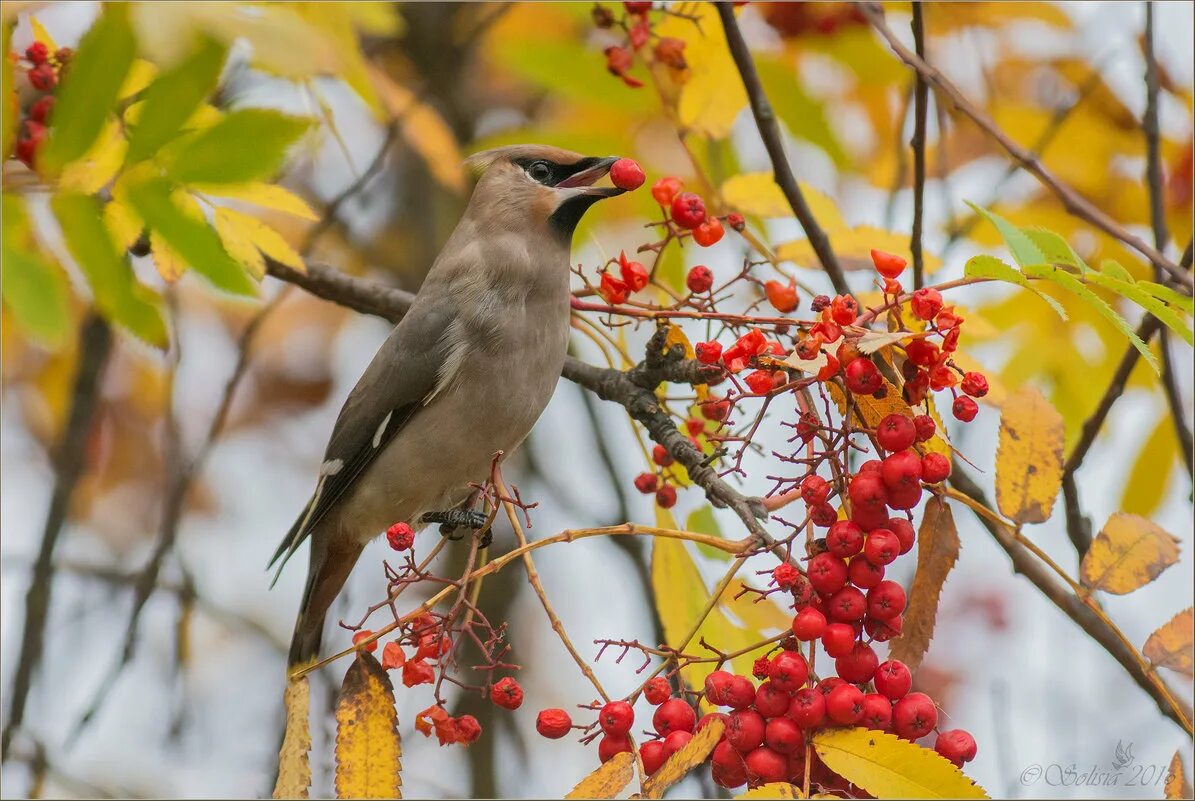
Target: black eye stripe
557, 172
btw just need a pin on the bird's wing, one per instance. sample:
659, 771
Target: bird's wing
406, 372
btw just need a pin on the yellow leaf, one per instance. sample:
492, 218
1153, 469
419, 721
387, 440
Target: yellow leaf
760, 614
757, 193
239, 245
713, 94
99, 165
1151, 471
888, 767
1170, 646
337, 24
424, 130
139, 77
247, 228
1029, 458
294, 770
608, 780
1177, 785
368, 748
937, 551
40, 34
169, 263
692, 754
123, 223
853, 246
870, 412
782, 790
257, 193
1128, 553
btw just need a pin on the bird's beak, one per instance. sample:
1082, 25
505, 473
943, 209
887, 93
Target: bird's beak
583, 180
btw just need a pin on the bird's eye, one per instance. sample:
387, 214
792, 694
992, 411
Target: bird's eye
539, 171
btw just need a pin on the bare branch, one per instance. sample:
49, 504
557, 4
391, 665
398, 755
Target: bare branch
920, 103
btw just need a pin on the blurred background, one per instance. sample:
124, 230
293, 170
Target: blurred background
195, 710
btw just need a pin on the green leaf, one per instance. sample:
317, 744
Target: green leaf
1170, 318
1114, 269
1168, 295
1024, 250
702, 521
247, 145
173, 97
1055, 249
34, 290
118, 295
990, 267
1076, 287
89, 91
192, 239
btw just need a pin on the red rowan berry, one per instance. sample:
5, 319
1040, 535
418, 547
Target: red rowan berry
638, 6
893, 287
964, 408
826, 331
43, 77
611, 745
507, 693
665, 189
745, 729
759, 382
886, 600
634, 274
925, 427
675, 742
37, 52
870, 518
400, 536
613, 289
688, 210
40, 111
736, 221
904, 532
618, 61
627, 174
652, 754
862, 377
661, 456
393, 656
416, 671
867, 491
974, 384
717, 687
788, 672
727, 767
814, 490
926, 303
950, 341
826, 572
666, 496
844, 309
708, 352
844, 539
838, 639
741, 693
808, 708
888, 265
882, 547
765, 766
896, 432
770, 700
694, 426
827, 685
616, 717
809, 624
785, 576
901, 469
883, 630
848, 605
893, 679
783, 736
465, 729
914, 716
783, 297
844, 705
708, 233
63, 55
699, 280
671, 51
647, 483
432, 646
674, 715
859, 665
553, 723
916, 388
709, 717
947, 319
829, 369
863, 574
941, 377
365, 634
759, 668
657, 691
877, 712
922, 352
956, 745
935, 468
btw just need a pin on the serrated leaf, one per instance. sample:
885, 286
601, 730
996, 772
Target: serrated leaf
118, 295
1055, 249
123, 224
1077, 288
193, 240
173, 97
887, 766
294, 770
257, 193
1129, 289
89, 90
94, 169
1029, 457
781, 790
608, 780
937, 551
995, 269
1168, 295
1024, 250
368, 747
1114, 269
264, 238
1177, 785
1170, 646
167, 261
692, 754
34, 289
1129, 552
240, 245
247, 145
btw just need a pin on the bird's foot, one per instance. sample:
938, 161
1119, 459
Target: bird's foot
452, 520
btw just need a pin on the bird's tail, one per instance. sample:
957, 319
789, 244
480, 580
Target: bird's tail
326, 575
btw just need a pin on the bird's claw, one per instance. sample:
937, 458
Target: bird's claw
453, 519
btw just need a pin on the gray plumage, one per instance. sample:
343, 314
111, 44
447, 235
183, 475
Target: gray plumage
464, 375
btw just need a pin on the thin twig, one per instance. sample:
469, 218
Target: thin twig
1072, 201
920, 104
769, 131
95, 345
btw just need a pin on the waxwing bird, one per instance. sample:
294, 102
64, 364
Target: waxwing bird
464, 375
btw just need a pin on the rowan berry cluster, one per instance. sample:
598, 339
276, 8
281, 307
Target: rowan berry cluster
43, 70
638, 41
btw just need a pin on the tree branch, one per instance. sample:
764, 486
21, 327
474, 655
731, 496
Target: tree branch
769, 130
1072, 201
920, 103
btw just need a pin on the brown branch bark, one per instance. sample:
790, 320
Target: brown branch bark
1072, 201
95, 345
920, 104
769, 130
